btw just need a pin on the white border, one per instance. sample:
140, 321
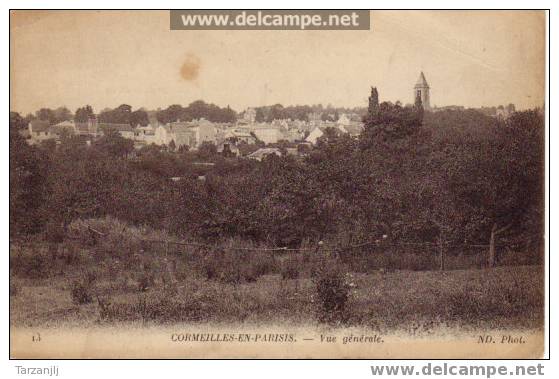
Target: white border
250, 369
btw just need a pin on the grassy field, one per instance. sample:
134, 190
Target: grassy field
418, 302
119, 280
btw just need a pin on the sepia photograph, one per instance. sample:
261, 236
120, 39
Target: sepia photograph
277, 184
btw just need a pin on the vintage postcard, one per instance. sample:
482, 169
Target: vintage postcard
277, 184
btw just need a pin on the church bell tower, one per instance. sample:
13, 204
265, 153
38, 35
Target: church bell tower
421, 90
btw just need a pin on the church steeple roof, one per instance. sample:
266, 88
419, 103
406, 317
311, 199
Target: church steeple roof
421, 82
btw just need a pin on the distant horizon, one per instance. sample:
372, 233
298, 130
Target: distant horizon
329, 106
471, 59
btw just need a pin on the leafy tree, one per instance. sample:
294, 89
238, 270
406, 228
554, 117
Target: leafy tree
114, 145
390, 123
139, 117
80, 187
83, 114
119, 115
499, 182
171, 114
62, 114
196, 110
17, 122
46, 114
28, 175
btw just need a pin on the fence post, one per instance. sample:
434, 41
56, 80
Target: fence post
441, 254
169, 264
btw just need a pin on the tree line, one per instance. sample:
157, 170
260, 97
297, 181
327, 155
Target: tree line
456, 176
124, 114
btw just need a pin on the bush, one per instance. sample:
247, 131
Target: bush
80, 293
290, 269
333, 294
81, 289
118, 237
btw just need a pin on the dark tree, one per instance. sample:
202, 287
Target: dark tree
119, 115
112, 144
83, 114
28, 176
139, 117
17, 122
46, 114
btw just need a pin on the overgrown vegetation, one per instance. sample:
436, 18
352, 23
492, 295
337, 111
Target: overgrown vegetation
119, 278
333, 294
405, 185
403, 178
81, 291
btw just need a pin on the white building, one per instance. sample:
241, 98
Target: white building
315, 134
163, 135
268, 134
192, 134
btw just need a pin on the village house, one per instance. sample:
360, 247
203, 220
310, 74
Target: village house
39, 131
162, 135
192, 134
67, 128
267, 133
88, 128
145, 134
184, 134
353, 129
344, 125
238, 135
125, 130
205, 131
315, 134
344, 120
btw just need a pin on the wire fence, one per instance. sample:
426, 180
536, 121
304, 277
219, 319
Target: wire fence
374, 254
376, 242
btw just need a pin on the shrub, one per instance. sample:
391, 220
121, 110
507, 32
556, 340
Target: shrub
333, 294
80, 293
82, 289
290, 269
118, 238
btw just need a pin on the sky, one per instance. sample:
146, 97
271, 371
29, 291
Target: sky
108, 58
